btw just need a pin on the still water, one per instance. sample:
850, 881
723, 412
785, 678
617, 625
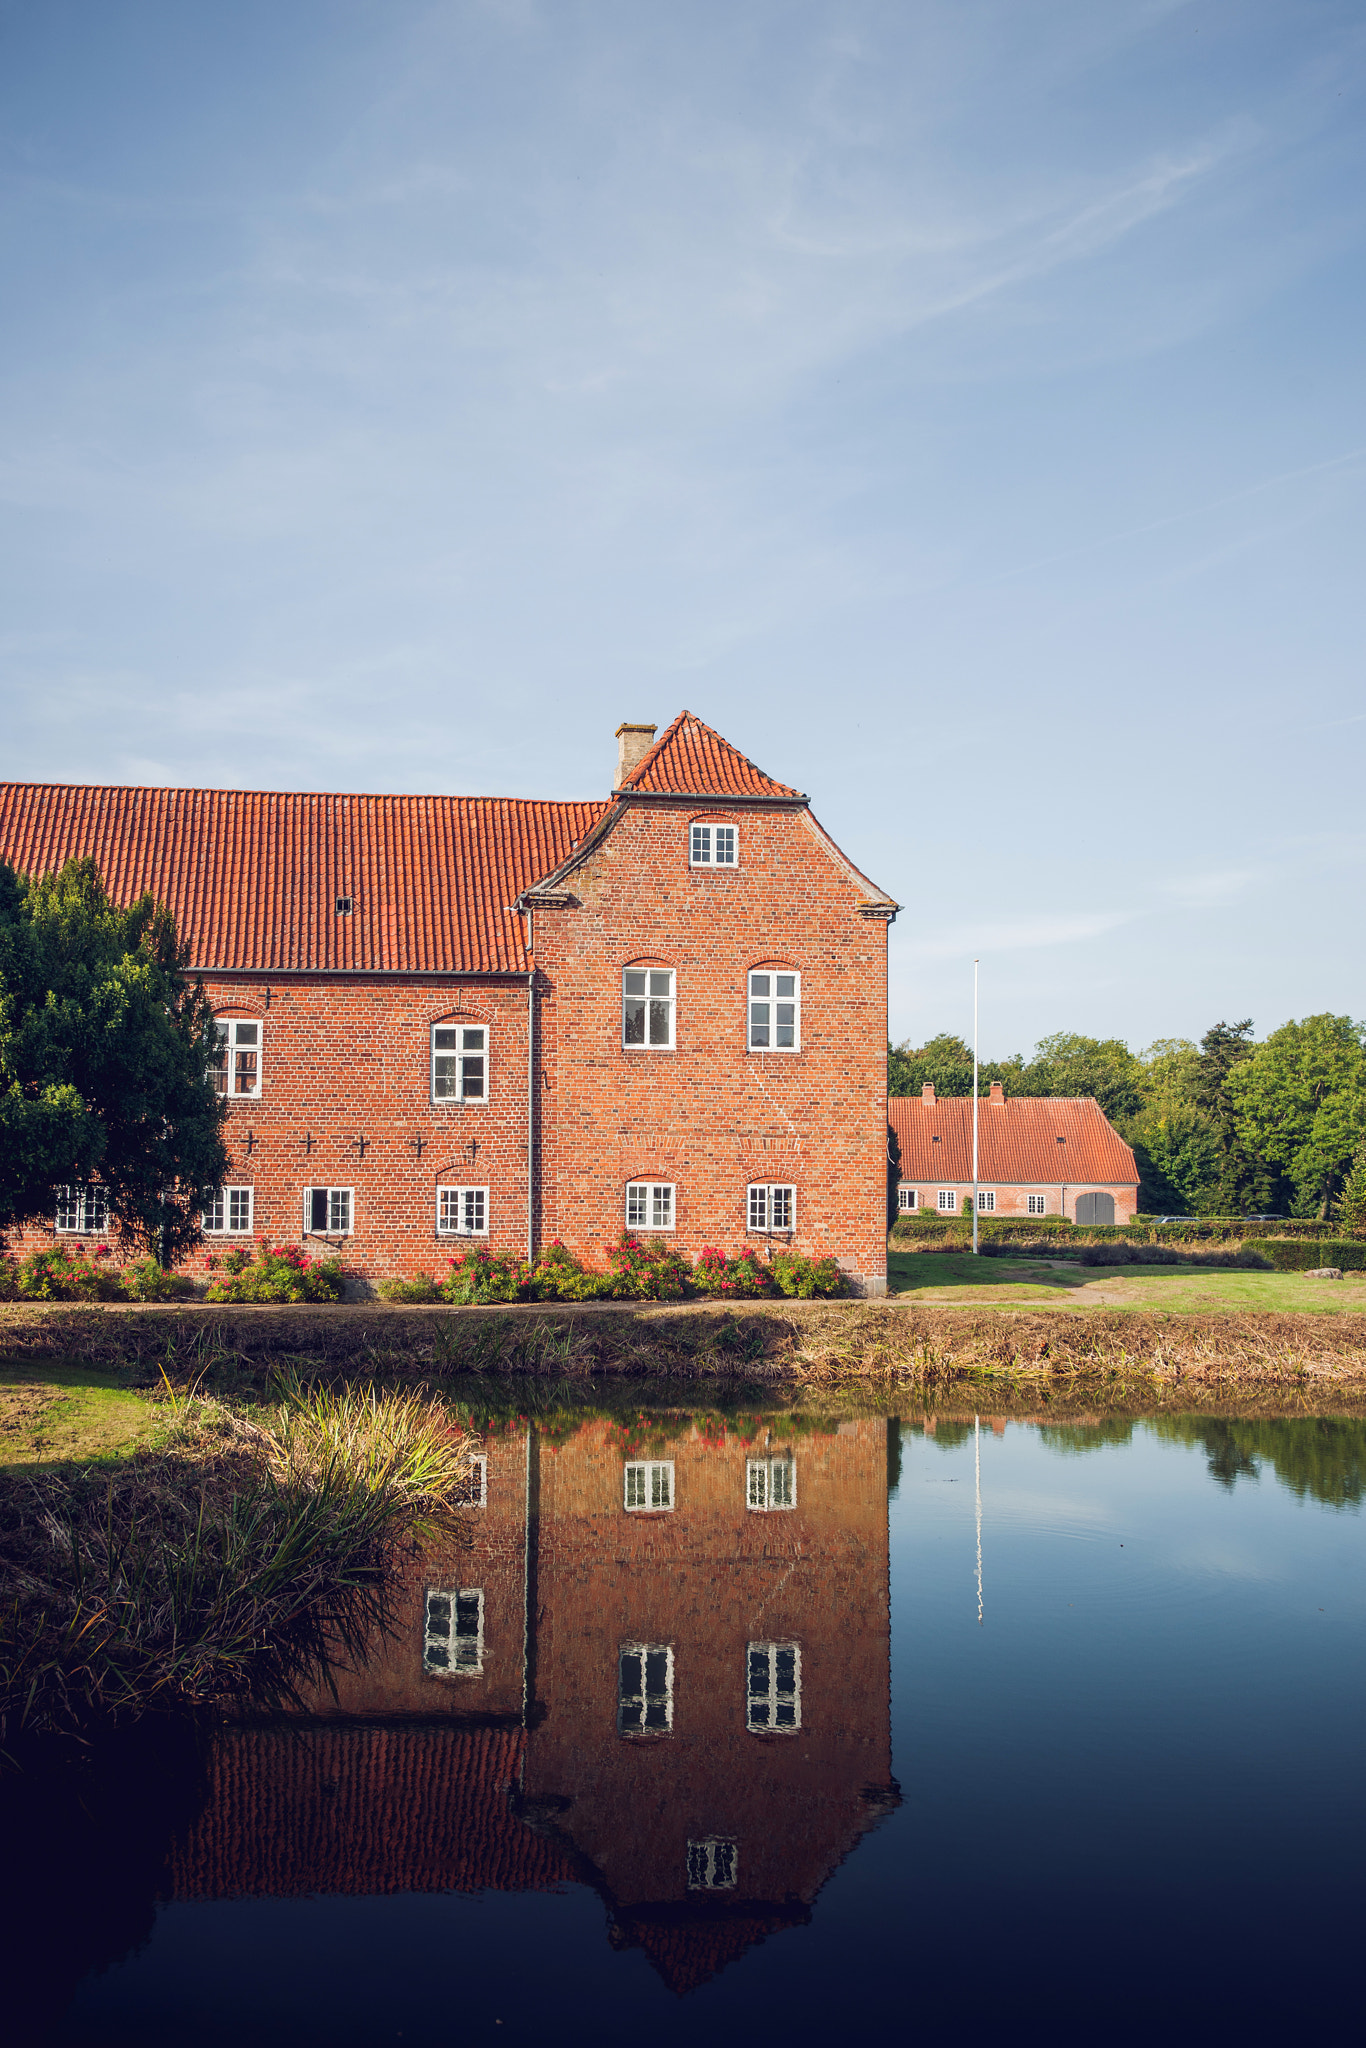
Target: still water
779, 1731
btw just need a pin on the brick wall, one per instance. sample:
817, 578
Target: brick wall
1013, 1201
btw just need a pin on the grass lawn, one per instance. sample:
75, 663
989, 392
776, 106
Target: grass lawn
1188, 1290
51, 1414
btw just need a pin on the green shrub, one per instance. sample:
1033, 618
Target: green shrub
55, 1275
647, 1269
281, 1274
793, 1273
742, 1275
1174, 1255
559, 1276
148, 1281
481, 1275
1292, 1255
423, 1288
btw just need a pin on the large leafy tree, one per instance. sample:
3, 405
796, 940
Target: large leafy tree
105, 1049
1300, 1103
947, 1062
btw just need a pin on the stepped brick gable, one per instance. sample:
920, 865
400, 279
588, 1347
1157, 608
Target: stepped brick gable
1036, 1156
455, 1020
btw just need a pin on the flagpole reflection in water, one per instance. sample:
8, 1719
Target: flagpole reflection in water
977, 1454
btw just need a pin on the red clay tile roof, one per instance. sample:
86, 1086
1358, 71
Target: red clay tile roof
1017, 1141
252, 877
362, 1810
692, 760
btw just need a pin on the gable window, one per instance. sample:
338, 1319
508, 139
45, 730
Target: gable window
645, 1689
712, 1865
986, 1200
712, 846
460, 1063
83, 1208
462, 1212
453, 1631
773, 1691
647, 1006
327, 1211
775, 1012
1036, 1205
650, 1205
235, 1063
229, 1213
650, 1485
770, 1483
907, 1198
948, 1199
772, 1206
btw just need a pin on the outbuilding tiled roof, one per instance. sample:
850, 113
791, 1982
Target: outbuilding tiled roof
252, 877
692, 760
362, 1810
1017, 1141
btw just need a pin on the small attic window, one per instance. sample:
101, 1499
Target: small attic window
343, 906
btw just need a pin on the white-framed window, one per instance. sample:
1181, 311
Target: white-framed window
650, 1485
772, 1206
770, 1483
328, 1211
986, 1200
476, 1492
773, 1688
647, 1007
775, 1012
650, 1205
1036, 1205
462, 1212
645, 1689
713, 1865
229, 1213
453, 1631
713, 846
236, 1062
907, 1198
83, 1208
948, 1199
460, 1066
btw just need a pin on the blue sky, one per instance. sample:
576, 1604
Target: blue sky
959, 403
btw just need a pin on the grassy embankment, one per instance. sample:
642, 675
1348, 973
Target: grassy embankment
946, 1278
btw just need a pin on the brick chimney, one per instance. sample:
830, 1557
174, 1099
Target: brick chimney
998, 1096
633, 744
927, 1093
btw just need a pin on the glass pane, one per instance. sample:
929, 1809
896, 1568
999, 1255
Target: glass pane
633, 1022
630, 1717
634, 983
787, 984
474, 1039
787, 1024
244, 1081
785, 1668
445, 1041
443, 1080
758, 1023
656, 1670
662, 1215
317, 1208
659, 1023
438, 1615
723, 1863
725, 845
635, 1486
758, 984
701, 842
782, 1483
473, 1077
659, 1486
661, 984
246, 1034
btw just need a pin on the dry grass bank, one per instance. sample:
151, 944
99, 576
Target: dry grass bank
831, 1348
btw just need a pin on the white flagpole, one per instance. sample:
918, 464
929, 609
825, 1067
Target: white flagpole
977, 1460
974, 1108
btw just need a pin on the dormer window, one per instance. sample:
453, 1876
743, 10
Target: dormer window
713, 846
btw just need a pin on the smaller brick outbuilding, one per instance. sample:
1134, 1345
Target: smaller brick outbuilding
1037, 1155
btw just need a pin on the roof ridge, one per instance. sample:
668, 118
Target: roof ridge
746, 778
375, 796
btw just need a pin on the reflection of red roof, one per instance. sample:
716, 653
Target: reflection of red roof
689, 1949
362, 1810
252, 877
692, 760
1017, 1141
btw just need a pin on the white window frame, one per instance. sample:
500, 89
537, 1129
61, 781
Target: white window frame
459, 1052
232, 1197
907, 1198
654, 1198
645, 1699
772, 1697
76, 1200
771, 1002
713, 1864
470, 1205
649, 1486
652, 998
986, 1201
478, 1495
713, 845
346, 1229
232, 1051
1036, 1205
765, 1199
765, 1480
948, 1201
437, 1640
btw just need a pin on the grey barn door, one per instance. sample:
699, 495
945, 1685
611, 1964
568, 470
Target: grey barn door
1095, 1208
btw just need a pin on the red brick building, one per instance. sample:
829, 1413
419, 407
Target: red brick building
1036, 1156
447, 1020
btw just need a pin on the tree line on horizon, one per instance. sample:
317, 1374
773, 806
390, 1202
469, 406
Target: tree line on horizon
1232, 1126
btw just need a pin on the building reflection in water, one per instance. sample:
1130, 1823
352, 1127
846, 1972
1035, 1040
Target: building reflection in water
658, 1664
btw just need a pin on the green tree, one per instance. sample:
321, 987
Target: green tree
1300, 1102
1068, 1063
105, 1049
947, 1062
1175, 1144
1354, 1191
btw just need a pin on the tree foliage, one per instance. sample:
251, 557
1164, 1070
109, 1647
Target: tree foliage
1300, 1102
105, 1048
